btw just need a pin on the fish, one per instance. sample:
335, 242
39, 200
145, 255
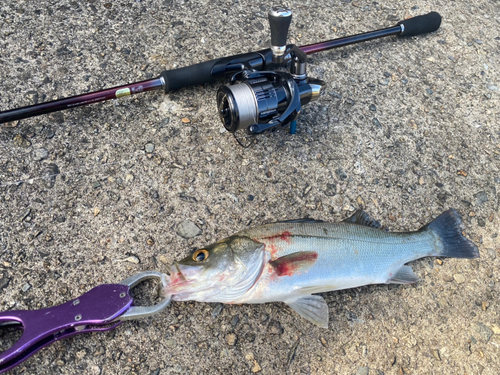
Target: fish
293, 261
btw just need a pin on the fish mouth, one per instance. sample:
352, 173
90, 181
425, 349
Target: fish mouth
175, 276
180, 281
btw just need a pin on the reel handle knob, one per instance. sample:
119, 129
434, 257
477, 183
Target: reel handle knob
279, 21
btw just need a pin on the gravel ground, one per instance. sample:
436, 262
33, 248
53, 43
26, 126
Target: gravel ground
405, 129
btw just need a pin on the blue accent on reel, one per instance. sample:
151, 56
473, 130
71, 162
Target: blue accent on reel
293, 127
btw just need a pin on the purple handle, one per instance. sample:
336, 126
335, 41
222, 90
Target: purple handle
97, 307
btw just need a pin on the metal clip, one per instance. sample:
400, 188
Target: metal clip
139, 312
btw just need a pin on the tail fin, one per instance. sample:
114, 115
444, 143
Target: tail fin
448, 228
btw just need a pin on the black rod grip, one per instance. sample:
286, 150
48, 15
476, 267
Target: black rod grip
426, 23
279, 22
192, 75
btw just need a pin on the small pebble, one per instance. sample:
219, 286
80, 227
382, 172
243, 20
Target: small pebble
435, 354
149, 148
447, 278
171, 343
188, 229
459, 278
40, 154
150, 241
256, 367
185, 120
231, 339
96, 211
20, 141
26, 287
114, 196
25, 215
373, 107
483, 332
495, 329
217, 310
481, 197
130, 259
363, 371
235, 320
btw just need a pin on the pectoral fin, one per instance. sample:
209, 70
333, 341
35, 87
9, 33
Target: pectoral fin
405, 275
312, 308
292, 264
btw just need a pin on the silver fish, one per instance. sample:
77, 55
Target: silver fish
290, 261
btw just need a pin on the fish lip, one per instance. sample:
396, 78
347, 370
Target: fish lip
174, 276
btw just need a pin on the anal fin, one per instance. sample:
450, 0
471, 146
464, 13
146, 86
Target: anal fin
405, 275
312, 308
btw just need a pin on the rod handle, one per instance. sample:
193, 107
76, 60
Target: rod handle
423, 24
192, 75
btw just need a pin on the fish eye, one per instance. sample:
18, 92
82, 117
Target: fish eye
200, 255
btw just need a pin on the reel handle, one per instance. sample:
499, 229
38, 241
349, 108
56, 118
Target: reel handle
279, 22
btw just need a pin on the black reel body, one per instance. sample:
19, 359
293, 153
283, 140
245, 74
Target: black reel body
256, 99
260, 101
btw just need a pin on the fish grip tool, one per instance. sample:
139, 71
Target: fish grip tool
101, 309
266, 89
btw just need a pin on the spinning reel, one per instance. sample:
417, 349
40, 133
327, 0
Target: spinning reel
258, 101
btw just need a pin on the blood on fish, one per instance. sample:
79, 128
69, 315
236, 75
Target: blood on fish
273, 250
284, 236
290, 265
176, 278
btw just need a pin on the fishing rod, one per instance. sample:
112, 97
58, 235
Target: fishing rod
266, 88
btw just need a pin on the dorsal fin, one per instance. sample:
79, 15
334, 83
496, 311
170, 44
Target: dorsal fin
305, 220
360, 217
